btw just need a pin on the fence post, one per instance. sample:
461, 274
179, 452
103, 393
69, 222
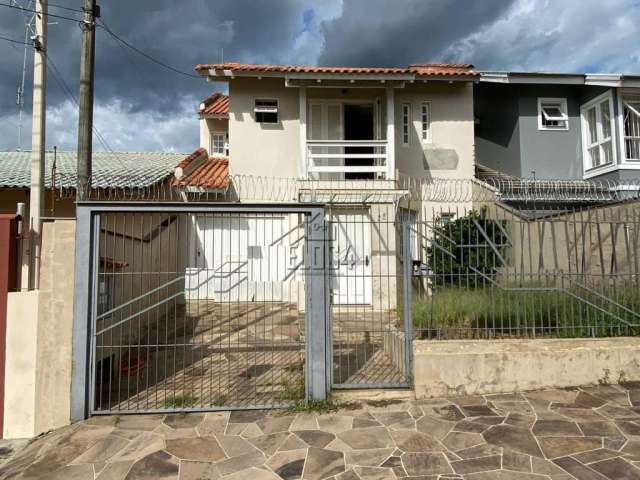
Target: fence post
85, 237
318, 346
407, 289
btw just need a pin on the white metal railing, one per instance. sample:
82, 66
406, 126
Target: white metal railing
332, 157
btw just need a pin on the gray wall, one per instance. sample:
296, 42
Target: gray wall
497, 134
516, 146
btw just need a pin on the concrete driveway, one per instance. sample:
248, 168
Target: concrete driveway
588, 433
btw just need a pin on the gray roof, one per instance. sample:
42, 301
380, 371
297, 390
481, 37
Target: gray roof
110, 169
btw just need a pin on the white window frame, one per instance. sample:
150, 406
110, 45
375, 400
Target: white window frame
425, 122
225, 144
257, 109
563, 109
405, 132
588, 169
630, 163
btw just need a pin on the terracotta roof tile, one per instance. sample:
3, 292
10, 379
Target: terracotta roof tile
211, 174
187, 161
421, 69
215, 104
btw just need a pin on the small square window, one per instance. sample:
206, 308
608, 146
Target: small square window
218, 144
552, 114
266, 111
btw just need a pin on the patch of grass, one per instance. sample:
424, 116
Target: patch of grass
293, 391
456, 312
180, 401
317, 406
297, 367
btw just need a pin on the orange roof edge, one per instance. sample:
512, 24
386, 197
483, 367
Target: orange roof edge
419, 69
216, 104
200, 171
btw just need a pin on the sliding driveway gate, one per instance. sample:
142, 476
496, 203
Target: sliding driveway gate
199, 307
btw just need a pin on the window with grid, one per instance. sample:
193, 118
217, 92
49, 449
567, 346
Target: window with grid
266, 110
425, 120
218, 144
406, 122
597, 128
631, 125
552, 114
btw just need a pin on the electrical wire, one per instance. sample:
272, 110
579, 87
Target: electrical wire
110, 32
62, 7
52, 15
11, 40
60, 80
146, 55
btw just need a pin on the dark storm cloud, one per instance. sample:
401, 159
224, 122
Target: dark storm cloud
181, 34
389, 33
140, 105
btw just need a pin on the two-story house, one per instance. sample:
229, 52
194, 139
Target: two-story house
343, 136
559, 126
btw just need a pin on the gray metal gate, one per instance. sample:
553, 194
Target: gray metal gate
200, 307
371, 334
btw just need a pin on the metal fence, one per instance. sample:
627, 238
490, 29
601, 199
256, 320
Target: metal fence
201, 308
203, 305
488, 270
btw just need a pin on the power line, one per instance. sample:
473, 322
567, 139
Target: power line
19, 42
52, 15
65, 8
60, 81
146, 55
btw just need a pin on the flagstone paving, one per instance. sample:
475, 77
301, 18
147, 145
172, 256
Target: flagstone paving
590, 433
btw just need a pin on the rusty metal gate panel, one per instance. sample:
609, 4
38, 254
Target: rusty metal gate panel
204, 309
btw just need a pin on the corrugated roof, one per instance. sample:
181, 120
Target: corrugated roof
118, 169
420, 69
216, 104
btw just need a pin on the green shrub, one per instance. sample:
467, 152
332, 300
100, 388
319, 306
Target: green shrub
460, 250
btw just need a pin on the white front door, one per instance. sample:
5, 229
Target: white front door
351, 251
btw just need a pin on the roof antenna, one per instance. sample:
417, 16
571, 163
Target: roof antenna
221, 54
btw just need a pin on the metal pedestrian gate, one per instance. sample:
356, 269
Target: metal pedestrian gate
199, 307
371, 330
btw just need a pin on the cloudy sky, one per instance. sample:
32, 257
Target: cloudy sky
140, 106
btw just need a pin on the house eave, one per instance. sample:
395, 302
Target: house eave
292, 77
612, 80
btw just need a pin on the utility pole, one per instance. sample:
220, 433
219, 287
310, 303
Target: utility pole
85, 120
38, 141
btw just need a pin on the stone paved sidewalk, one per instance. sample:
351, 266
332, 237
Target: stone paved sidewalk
591, 433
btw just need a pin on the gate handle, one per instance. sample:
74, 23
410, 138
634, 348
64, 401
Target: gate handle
366, 260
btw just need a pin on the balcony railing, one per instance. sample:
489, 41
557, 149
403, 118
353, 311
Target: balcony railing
338, 159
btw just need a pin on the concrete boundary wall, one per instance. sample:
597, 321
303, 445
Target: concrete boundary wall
20, 364
470, 367
38, 361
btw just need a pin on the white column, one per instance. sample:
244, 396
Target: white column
303, 132
391, 133
36, 198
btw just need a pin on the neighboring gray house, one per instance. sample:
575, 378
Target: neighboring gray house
558, 126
